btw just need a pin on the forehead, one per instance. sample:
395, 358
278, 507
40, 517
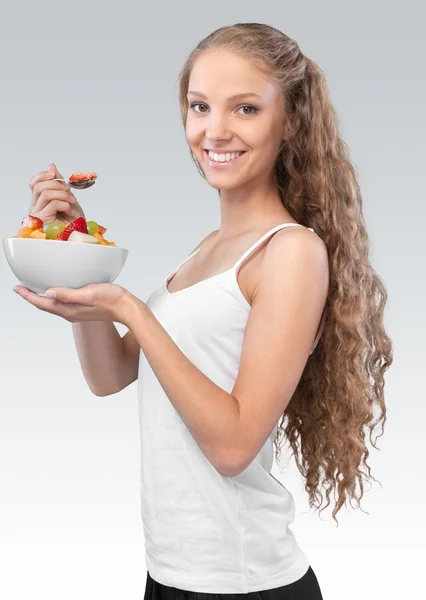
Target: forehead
219, 73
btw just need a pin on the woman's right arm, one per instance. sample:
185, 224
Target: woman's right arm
109, 362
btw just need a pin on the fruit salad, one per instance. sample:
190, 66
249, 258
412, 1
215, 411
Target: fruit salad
82, 176
79, 230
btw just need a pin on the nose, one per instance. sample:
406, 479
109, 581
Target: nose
216, 127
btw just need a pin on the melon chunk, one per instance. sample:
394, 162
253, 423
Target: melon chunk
79, 236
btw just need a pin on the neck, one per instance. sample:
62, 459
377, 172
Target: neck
243, 210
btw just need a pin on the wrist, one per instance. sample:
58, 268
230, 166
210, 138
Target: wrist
131, 309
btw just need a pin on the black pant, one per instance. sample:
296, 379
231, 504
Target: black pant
306, 588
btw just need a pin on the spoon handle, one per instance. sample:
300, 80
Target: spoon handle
59, 180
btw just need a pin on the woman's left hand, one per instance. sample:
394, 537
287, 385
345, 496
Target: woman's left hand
94, 302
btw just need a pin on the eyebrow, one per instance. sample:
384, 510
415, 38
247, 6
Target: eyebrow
234, 97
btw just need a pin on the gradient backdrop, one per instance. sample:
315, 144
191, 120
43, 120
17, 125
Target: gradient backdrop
94, 88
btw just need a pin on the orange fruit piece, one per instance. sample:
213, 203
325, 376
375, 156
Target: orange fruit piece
25, 232
102, 241
38, 234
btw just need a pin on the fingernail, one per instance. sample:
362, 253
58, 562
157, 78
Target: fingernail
50, 294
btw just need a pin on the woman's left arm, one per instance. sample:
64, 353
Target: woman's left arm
230, 429
210, 413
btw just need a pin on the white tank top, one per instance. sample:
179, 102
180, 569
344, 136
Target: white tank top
205, 532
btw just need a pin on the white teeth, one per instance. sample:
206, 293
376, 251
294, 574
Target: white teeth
223, 157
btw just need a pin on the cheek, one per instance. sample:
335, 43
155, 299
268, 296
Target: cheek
192, 132
266, 142
264, 136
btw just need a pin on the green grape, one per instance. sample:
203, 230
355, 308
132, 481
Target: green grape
53, 229
92, 227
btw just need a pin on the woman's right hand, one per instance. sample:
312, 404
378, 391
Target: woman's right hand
53, 200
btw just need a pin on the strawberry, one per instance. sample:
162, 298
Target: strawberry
31, 222
76, 225
81, 176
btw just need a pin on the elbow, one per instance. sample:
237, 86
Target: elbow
102, 393
233, 458
99, 393
229, 471
231, 467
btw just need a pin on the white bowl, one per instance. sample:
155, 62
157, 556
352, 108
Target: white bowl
42, 264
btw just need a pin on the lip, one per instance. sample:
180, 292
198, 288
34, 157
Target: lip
223, 151
222, 165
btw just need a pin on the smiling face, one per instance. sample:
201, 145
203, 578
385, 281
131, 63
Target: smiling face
217, 120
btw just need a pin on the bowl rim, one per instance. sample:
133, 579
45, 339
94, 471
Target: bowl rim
62, 242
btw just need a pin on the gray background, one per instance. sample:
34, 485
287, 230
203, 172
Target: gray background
100, 94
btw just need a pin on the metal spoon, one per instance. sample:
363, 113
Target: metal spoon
78, 185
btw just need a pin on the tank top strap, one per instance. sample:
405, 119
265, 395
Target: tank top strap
262, 239
166, 279
185, 260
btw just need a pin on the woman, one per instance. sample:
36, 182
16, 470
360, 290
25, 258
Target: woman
276, 317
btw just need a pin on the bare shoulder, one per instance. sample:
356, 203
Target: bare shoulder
299, 237
296, 242
295, 251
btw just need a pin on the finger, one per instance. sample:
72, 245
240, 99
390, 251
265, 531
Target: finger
43, 186
41, 176
52, 210
38, 301
19, 289
51, 173
69, 312
48, 196
52, 167
67, 295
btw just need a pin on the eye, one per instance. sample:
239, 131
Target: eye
196, 104
249, 106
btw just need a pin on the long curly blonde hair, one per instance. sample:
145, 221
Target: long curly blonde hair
343, 380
